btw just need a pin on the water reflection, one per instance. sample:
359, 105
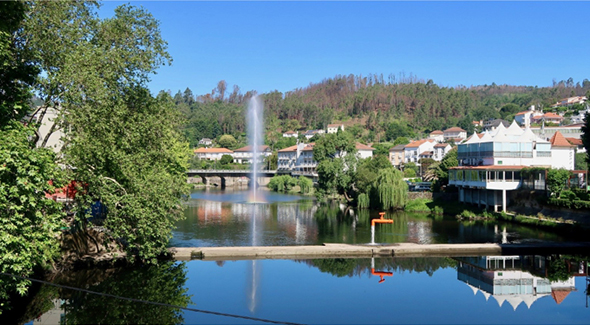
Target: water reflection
163, 284
218, 218
521, 279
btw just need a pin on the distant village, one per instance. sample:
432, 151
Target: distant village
541, 128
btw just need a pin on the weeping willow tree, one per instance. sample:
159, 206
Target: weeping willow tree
391, 189
364, 201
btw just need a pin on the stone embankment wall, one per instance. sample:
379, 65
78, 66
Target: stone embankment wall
419, 195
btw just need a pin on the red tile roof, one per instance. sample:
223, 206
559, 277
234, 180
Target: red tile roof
213, 150
455, 129
558, 140
360, 146
289, 149
575, 141
290, 132
416, 144
436, 132
441, 145
309, 147
249, 149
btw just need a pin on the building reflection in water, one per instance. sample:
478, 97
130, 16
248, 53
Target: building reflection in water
298, 222
516, 279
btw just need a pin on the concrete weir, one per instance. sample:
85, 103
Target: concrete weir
367, 251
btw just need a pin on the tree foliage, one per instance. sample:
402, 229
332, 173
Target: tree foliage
392, 190
123, 142
227, 141
29, 221
557, 180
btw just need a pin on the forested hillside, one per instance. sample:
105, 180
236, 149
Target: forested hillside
381, 108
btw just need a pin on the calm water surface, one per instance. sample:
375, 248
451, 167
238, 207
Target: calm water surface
478, 290
225, 218
482, 290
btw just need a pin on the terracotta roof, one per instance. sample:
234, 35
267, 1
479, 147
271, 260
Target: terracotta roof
441, 145
289, 149
309, 147
552, 115
334, 125
426, 153
521, 113
436, 132
455, 129
416, 144
558, 140
249, 149
575, 141
290, 132
559, 295
213, 150
360, 146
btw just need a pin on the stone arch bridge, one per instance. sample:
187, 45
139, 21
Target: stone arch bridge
224, 178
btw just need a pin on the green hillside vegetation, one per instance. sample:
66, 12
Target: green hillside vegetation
372, 107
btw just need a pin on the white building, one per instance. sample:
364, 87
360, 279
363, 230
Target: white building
205, 142
491, 165
364, 151
290, 134
333, 128
570, 101
212, 153
413, 150
456, 133
437, 135
310, 133
53, 140
440, 151
246, 154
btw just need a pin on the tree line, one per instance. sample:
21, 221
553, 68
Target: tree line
379, 106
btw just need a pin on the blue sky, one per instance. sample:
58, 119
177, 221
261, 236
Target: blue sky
265, 46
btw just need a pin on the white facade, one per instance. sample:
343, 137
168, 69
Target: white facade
437, 136
455, 133
333, 128
246, 154
440, 151
205, 142
290, 134
413, 150
212, 153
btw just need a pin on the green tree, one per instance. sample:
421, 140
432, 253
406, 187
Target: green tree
305, 184
337, 161
401, 140
272, 162
227, 141
581, 162
122, 142
442, 171
557, 180
29, 230
391, 188
226, 159
509, 109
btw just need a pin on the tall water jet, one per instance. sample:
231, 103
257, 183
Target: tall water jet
255, 140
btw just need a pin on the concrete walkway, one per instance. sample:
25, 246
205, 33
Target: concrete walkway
366, 251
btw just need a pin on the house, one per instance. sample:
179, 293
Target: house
246, 154
52, 135
570, 101
578, 143
205, 142
579, 118
547, 117
333, 128
477, 123
310, 133
212, 153
287, 157
491, 165
525, 118
397, 155
290, 134
364, 151
455, 133
492, 124
305, 163
437, 135
413, 150
440, 151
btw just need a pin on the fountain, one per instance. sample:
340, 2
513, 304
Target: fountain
255, 140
